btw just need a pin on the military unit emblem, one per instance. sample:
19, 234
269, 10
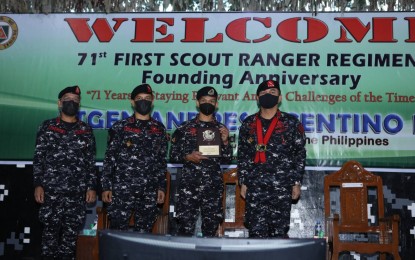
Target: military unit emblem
208, 135
8, 32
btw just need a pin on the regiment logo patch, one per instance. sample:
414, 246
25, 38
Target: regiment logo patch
8, 32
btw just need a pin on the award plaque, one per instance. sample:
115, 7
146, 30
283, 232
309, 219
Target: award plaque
209, 142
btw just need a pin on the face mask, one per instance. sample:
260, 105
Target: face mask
70, 108
143, 107
207, 109
268, 100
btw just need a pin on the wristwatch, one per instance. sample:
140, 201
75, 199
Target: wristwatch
297, 183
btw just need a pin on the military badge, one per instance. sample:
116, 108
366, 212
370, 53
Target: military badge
261, 147
208, 135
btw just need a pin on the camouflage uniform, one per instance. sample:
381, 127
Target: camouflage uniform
269, 184
200, 185
64, 165
134, 170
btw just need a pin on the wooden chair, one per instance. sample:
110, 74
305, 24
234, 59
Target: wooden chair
88, 247
233, 223
350, 227
161, 224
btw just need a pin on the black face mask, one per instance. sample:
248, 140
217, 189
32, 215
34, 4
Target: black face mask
207, 109
143, 107
268, 100
70, 108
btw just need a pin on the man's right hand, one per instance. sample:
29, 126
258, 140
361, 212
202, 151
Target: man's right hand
107, 196
195, 157
243, 190
39, 194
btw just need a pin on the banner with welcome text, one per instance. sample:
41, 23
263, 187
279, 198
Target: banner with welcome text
349, 78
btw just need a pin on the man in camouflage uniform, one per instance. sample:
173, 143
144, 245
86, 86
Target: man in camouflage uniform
271, 160
200, 187
64, 176
133, 178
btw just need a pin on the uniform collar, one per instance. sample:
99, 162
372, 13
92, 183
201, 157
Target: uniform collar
132, 119
59, 121
277, 114
214, 121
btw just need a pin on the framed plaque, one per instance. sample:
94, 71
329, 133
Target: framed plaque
209, 142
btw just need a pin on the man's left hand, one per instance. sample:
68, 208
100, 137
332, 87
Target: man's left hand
224, 135
296, 192
91, 196
160, 197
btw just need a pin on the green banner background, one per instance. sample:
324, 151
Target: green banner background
46, 57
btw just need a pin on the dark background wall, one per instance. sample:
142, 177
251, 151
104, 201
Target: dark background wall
20, 229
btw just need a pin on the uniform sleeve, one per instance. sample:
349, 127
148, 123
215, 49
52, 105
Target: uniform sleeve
114, 141
39, 157
161, 164
178, 145
91, 180
226, 151
299, 154
245, 155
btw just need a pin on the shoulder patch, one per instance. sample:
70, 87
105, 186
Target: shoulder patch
301, 128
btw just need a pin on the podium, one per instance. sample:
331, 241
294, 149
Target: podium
131, 245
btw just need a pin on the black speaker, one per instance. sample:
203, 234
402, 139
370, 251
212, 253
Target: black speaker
131, 245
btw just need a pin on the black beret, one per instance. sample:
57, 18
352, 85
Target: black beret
73, 90
143, 88
206, 91
268, 84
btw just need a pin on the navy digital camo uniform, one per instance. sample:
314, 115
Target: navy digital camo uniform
200, 185
269, 184
134, 170
64, 165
